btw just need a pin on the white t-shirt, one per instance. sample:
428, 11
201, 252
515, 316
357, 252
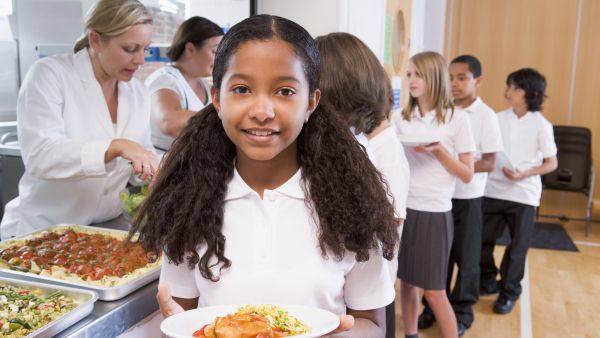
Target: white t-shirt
431, 185
527, 141
169, 77
392, 164
273, 246
486, 133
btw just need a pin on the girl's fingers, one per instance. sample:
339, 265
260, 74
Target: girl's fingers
346, 323
168, 306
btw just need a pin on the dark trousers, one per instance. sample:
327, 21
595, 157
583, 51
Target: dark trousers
465, 253
390, 320
497, 214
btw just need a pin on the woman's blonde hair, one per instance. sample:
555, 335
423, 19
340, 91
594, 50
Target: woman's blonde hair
110, 18
433, 68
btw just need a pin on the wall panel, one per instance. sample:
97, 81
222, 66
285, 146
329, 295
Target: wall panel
510, 34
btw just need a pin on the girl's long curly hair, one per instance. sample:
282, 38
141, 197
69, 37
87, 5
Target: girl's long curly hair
185, 208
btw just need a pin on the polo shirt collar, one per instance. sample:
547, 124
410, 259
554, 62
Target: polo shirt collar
526, 116
428, 117
473, 106
238, 188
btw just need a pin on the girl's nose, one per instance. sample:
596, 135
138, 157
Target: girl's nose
262, 109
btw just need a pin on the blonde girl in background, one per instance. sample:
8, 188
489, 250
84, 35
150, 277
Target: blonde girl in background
434, 167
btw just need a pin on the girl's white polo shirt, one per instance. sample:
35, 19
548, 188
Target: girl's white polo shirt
392, 164
431, 185
273, 246
527, 141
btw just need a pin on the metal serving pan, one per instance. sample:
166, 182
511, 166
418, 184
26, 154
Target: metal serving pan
104, 293
84, 298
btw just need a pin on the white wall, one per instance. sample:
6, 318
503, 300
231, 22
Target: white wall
225, 13
318, 17
435, 19
365, 19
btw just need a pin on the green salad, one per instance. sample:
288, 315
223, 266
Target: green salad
132, 198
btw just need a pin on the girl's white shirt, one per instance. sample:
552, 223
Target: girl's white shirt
431, 185
64, 129
273, 246
393, 165
169, 77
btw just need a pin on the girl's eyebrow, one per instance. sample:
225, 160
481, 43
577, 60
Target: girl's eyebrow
241, 76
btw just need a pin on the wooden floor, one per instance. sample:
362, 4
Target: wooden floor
564, 295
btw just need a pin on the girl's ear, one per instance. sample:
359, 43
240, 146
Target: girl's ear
214, 93
313, 102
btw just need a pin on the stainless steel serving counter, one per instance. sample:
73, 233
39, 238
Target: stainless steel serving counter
109, 319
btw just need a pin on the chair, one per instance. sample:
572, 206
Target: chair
575, 172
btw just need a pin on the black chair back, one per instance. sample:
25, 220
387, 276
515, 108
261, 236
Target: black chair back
574, 156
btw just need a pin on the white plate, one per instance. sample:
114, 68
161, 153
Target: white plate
184, 324
502, 160
417, 140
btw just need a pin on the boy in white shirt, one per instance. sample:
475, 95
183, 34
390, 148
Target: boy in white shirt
465, 76
514, 188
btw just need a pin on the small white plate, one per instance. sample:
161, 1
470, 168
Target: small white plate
413, 140
184, 324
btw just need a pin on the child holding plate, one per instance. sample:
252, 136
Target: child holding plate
434, 168
512, 194
258, 202
366, 109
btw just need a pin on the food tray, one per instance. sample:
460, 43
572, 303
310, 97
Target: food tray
104, 293
84, 298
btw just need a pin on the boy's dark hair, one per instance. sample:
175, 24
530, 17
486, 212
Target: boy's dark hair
195, 30
471, 61
353, 81
534, 85
185, 208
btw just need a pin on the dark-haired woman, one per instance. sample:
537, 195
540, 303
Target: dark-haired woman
267, 197
178, 90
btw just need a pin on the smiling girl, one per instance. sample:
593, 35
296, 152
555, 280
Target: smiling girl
267, 197
434, 168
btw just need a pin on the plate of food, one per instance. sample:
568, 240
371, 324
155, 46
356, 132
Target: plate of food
267, 320
414, 140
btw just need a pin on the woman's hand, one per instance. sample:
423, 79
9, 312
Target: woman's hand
168, 306
143, 161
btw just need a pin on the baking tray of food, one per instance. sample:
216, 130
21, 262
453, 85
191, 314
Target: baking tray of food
81, 256
31, 309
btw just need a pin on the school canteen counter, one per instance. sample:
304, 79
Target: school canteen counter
110, 319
